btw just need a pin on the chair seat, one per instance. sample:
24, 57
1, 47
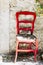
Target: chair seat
26, 38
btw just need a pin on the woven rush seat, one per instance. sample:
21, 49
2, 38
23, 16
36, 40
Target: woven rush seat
26, 37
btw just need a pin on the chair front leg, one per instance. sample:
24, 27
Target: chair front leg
16, 56
16, 51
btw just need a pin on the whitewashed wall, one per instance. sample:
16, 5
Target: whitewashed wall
4, 26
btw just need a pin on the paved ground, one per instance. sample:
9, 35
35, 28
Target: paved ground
21, 63
23, 59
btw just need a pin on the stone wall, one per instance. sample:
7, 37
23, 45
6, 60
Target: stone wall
24, 5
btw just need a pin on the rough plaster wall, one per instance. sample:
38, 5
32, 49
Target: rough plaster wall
22, 5
4, 26
39, 31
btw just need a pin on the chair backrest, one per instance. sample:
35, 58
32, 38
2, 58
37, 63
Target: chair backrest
25, 21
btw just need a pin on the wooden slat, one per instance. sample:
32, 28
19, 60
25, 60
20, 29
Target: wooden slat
25, 21
26, 29
25, 50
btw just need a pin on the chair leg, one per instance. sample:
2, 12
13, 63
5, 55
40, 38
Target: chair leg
16, 51
37, 45
35, 53
35, 56
16, 56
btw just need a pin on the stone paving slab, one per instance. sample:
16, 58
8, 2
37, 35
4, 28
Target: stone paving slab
21, 63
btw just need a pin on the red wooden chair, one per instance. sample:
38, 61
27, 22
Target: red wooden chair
26, 38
